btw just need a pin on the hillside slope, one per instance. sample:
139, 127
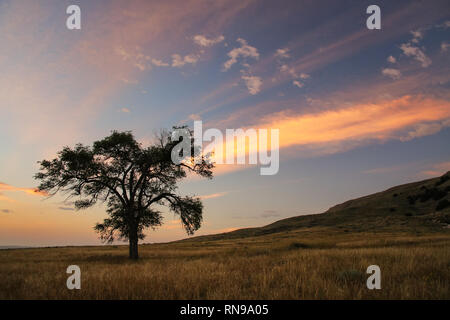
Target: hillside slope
417, 206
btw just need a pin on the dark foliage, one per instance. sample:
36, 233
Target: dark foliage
428, 194
130, 179
442, 205
443, 179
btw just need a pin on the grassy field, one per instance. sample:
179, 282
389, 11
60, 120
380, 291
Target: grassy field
296, 265
403, 230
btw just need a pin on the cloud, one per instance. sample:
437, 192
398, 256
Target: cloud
393, 73
253, 84
391, 59
358, 124
205, 42
304, 76
178, 61
284, 68
416, 53
297, 83
159, 63
270, 214
444, 46
30, 191
136, 57
244, 51
53, 92
213, 195
437, 169
282, 53
294, 75
417, 36
123, 53
345, 44
124, 110
345, 128
129, 81
444, 25
6, 211
426, 129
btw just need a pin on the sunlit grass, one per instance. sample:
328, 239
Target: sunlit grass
300, 265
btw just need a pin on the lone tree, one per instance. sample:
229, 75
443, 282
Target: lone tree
130, 179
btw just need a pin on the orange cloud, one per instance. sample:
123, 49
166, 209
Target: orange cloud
437, 169
378, 121
337, 130
32, 191
213, 195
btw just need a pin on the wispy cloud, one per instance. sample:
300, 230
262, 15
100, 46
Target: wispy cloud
417, 53
426, 129
253, 84
136, 57
205, 42
417, 36
437, 169
244, 51
391, 59
124, 110
179, 61
30, 191
159, 63
341, 129
379, 121
282, 53
392, 73
297, 83
213, 195
444, 25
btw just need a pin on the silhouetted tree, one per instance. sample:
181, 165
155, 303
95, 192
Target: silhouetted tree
130, 179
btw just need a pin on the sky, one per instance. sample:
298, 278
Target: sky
358, 110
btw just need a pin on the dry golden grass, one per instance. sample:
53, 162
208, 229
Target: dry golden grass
294, 265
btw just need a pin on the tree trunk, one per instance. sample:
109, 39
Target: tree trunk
134, 254
133, 237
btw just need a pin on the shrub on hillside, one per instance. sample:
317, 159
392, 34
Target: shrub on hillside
442, 205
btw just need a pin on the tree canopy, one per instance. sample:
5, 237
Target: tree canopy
130, 179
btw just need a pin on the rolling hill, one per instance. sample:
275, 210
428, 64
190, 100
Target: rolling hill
422, 206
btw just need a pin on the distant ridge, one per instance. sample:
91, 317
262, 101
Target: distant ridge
414, 207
